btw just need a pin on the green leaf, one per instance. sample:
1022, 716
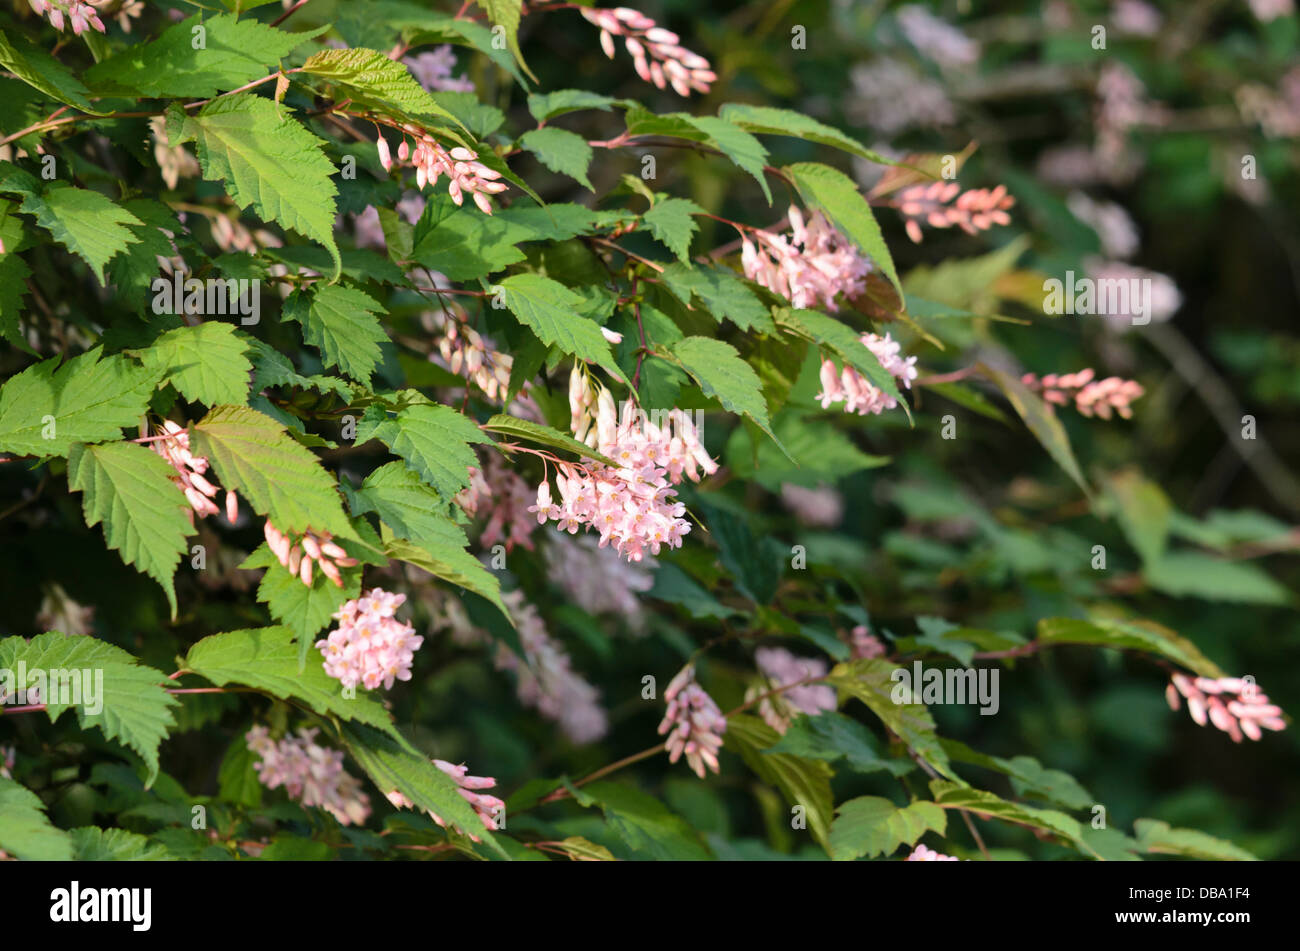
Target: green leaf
670, 220
507, 13
92, 844
843, 344
205, 363
43, 72
821, 454
723, 293
766, 120
234, 52
303, 609
833, 736
393, 765
803, 782
547, 106
370, 78
146, 518
445, 557
433, 440
718, 369
129, 702
1144, 512
1146, 636
1029, 777
1189, 574
280, 478
982, 803
553, 313
544, 435
561, 151
836, 195
84, 400
24, 830
1042, 422
736, 144
872, 682
268, 160
464, 244
85, 222
1159, 838
342, 323
648, 827
266, 659
870, 825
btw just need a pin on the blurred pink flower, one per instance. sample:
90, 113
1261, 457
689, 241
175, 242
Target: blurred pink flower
1233, 704
694, 723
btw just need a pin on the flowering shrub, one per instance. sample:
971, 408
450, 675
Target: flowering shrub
715, 478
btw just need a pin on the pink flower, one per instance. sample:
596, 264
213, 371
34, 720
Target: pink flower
502, 496
856, 392
432, 70
190, 469
864, 644
310, 773
1233, 704
694, 723
657, 54
370, 647
811, 267
465, 174
490, 809
976, 210
923, 854
1089, 395
781, 669
311, 548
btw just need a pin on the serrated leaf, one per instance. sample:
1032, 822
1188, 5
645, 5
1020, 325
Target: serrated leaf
1146, 636
234, 52
983, 803
303, 609
550, 105
842, 343
463, 244
280, 478
434, 441
738, 145
130, 704
342, 323
92, 844
1190, 574
723, 293
90, 225
645, 825
266, 658
1029, 777
205, 363
393, 765
24, 830
671, 221
545, 435
870, 825
767, 120
445, 557
871, 681
506, 14
89, 399
838, 198
267, 159
833, 736
370, 78
146, 518
561, 151
1159, 838
42, 71
803, 782
718, 369
553, 313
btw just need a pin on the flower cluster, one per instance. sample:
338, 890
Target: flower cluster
934, 39
199, 492
465, 352
311, 773
80, 14
311, 548
890, 96
370, 646
1089, 395
465, 173
781, 669
857, 393
657, 53
975, 210
502, 496
489, 808
1233, 704
694, 723
811, 267
863, 644
923, 854
432, 70
597, 579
